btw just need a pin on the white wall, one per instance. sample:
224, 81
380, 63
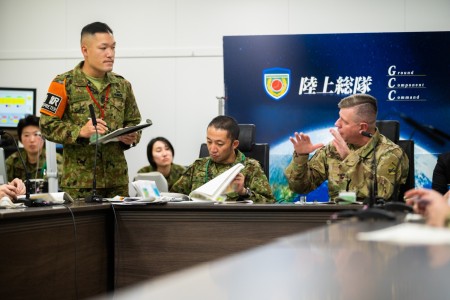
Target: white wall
171, 51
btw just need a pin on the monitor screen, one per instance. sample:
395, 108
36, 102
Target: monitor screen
15, 104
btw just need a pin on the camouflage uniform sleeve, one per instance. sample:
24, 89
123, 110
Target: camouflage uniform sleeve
175, 173
60, 131
256, 181
184, 184
305, 176
390, 173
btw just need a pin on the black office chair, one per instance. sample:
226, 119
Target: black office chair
408, 147
247, 145
390, 129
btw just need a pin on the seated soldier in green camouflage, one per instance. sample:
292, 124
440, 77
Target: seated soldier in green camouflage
222, 141
33, 153
347, 161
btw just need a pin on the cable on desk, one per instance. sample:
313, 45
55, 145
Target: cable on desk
76, 249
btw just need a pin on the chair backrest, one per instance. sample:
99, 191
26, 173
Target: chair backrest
157, 177
247, 145
390, 129
260, 152
408, 147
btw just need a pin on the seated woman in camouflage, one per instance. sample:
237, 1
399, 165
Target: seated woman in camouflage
160, 155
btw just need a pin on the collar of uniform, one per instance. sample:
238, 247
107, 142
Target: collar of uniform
240, 158
368, 149
79, 79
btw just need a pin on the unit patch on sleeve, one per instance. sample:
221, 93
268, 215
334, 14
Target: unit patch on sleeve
56, 101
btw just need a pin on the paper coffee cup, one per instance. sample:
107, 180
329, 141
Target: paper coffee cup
348, 196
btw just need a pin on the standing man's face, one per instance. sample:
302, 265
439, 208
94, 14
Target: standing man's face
220, 147
99, 51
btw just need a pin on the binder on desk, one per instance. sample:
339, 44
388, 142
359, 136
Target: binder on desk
112, 136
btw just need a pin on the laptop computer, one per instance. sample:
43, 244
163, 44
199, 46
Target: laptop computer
3, 174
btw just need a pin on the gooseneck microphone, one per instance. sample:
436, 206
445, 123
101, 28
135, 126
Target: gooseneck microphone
94, 197
27, 200
372, 211
93, 118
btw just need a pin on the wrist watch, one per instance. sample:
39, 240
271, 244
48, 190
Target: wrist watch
248, 192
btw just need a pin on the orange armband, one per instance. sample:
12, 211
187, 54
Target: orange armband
56, 101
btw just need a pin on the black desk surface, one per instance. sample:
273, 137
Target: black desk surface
48, 253
324, 263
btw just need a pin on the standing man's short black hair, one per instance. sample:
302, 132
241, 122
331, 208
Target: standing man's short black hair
94, 28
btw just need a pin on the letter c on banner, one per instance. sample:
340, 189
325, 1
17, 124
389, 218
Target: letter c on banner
391, 95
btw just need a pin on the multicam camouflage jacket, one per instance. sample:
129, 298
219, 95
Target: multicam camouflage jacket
204, 169
354, 173
120, 110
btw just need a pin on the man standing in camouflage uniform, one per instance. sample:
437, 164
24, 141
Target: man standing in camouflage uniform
222, 141
66, 119
347, 161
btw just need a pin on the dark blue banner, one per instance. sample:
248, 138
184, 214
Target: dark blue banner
289, 83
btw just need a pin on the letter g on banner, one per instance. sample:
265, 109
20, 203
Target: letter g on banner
276, 82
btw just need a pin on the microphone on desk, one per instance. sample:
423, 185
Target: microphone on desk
27, 200
94, 197
372, 211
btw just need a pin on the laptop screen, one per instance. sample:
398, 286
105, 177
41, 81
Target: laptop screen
3, 175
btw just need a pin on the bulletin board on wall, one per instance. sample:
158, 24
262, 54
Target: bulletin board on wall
289, 83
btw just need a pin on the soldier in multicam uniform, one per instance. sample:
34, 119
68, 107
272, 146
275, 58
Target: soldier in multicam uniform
222, 141
65, 117
347, 161
33, 152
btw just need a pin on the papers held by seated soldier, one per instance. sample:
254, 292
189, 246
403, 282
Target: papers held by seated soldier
216, 188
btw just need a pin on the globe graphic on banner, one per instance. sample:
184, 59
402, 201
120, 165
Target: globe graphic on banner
281, 155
